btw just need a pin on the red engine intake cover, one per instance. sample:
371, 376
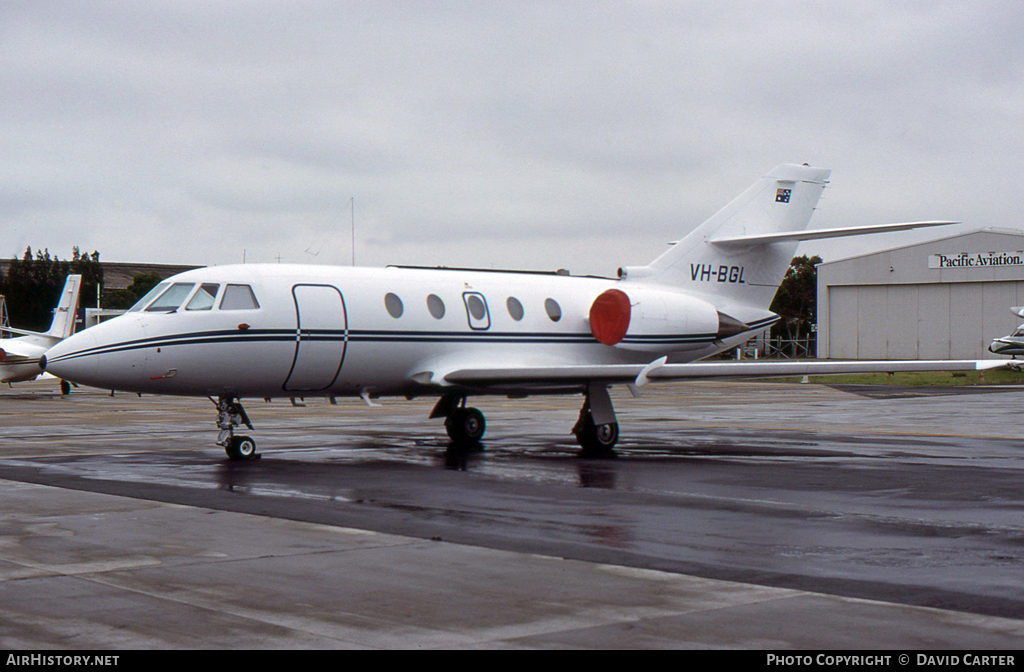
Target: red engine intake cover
609, 316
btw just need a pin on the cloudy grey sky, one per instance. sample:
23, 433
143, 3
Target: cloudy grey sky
560, 133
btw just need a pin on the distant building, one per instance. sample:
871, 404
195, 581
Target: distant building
944, 299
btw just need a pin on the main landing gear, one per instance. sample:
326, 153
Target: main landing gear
465, 426
230, 414
597, 430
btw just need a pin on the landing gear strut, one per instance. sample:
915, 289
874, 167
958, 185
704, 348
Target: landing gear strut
230, 414
597, 431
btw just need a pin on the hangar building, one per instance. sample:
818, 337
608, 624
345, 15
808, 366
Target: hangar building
944, 299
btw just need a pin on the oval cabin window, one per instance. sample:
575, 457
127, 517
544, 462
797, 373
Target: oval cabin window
476, 307
553, 309
394, 305
515, 309
436, 306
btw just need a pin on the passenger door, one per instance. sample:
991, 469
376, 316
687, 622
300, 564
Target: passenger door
321, 337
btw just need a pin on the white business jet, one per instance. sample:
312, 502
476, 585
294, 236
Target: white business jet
297, 331
19, 357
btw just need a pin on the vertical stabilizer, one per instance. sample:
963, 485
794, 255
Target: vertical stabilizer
748, 275
64, 315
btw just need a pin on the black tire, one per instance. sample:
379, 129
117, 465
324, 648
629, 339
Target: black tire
596, 440
241, 448
65, 388
466, 425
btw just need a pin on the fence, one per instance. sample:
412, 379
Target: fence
776, 347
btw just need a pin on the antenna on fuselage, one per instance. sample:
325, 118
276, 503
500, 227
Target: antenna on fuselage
353, 230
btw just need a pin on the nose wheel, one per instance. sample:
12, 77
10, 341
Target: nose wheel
241, 448
230, 414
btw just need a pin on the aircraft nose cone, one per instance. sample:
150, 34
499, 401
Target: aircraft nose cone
63, 360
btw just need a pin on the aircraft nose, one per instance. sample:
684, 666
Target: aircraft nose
65, 359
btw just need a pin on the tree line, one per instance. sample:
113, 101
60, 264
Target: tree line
33, 283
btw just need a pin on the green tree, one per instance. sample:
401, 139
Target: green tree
796, 301
122, 299
33, 284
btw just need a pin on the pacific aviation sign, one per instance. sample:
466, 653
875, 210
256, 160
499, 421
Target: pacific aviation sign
976, 259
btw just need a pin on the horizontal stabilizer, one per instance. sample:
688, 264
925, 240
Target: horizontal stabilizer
21, 332
817, 234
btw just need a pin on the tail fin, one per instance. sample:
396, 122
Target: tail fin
64, 316
745, 273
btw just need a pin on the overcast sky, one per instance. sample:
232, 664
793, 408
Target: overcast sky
521, 134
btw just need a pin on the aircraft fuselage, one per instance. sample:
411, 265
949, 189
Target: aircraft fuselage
339, 331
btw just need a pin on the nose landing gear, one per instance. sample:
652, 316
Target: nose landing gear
230, 414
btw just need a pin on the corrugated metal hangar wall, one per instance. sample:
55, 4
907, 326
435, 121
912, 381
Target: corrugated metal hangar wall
945, 299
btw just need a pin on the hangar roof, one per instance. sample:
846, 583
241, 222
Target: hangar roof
977, 256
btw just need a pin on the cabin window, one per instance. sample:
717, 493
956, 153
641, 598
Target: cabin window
394, 305
150, 295
436, 306
553, 309
476, 307
239, 297
515, 309
203, 298
172, 298
476, 311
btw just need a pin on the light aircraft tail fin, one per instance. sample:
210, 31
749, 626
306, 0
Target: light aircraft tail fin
64, 315
742, 252
747, 273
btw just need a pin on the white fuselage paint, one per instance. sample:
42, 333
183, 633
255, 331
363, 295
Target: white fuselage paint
327, 331
28, 349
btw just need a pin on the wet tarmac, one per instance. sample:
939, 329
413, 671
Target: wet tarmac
735, 515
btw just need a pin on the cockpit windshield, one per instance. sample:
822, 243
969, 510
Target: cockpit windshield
171, 299
239, 297
167, 297
150, 295
203, 298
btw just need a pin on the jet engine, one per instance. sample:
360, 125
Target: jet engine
653, 320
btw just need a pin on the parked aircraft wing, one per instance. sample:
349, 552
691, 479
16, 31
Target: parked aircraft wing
658, 370
8, 357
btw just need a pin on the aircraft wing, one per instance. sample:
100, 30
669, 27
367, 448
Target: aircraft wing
14, 358
637, 374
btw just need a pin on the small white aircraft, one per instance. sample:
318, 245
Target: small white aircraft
298, 331
1013, 344
19, 357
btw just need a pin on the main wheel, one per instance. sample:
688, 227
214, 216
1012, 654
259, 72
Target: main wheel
241, 448
596, 440
465, 425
